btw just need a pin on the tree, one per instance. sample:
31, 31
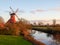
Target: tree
18, 28
1, 20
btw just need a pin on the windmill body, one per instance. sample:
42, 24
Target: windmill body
12, 16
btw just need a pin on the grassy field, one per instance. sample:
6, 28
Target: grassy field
47, 28
13, 40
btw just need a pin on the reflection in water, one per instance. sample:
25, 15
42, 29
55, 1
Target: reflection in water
47, 38
56, 38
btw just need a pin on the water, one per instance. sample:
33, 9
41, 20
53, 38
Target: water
46, 38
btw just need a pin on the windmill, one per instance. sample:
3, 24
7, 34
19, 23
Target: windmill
13, 15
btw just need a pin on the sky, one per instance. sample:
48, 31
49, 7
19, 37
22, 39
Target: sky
31, 9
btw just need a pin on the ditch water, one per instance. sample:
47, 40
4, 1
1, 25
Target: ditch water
47, 38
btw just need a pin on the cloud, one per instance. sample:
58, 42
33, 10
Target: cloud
33, 12
37, 10
40, 10
22, 11
55, 9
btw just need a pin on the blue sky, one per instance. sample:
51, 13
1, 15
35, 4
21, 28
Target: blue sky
33, 9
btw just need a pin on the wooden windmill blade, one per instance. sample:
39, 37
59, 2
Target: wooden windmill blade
12, 10
16, 10
17, 17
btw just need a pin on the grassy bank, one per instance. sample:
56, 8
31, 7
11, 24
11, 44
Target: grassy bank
13, 40
49, 30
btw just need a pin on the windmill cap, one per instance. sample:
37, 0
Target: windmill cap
12, 14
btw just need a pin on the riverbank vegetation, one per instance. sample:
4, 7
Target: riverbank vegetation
14, 33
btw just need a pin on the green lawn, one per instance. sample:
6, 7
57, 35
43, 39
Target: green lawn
13, 40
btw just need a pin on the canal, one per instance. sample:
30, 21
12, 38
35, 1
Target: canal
48, 39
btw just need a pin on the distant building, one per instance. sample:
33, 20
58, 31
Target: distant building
54, 22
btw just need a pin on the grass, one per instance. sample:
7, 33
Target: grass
47, 28
13, 40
